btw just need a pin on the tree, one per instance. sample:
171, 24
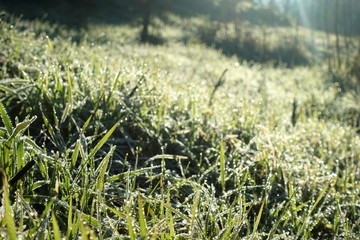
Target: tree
355, 70
145, 6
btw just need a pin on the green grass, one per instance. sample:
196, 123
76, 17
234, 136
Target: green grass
137, 141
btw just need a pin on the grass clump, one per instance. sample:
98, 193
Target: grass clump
138, 141
255, 44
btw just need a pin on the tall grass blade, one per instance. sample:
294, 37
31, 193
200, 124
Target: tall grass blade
119, 214
130, 173
39, 184
89, 219
20, 151
75, 225
47, 208
319, 198
83, 231
114, 86
142, 220
56, 229
6, 119
33, 144
86, 124
20, 127
170, 217
50, 45
101, 170
102, 141
50, 129
69, 220
166, 157
256, 224
279, 219
22, 172
9, 219
177, 212
7, 89
229, 228
129, 224
75, 155
84, 196
69, 100
194, 211
222, 165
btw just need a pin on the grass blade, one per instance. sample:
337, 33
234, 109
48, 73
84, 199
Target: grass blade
21, 172
50, 45
69, 220
75, 225
20, 152
19, 128
129, 223
194, 212
86, 124
47, 208
170, 217
6, 119
320, 197
69, 100
57, 234
142, 220
222, 165
119, 214
230, 227
103, 140
101, 170
83, 231
89, 220
10, 222
75, 155
256, 225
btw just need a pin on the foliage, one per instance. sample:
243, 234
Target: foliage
127, 144
250, 46
327, 15
355, 70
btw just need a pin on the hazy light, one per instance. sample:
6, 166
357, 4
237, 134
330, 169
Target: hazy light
304, 18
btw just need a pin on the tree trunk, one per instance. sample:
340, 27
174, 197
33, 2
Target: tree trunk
338, 50
326, 26
146, 11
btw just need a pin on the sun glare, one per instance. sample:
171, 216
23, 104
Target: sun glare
303, 14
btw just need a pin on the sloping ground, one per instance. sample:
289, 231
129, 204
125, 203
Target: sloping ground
170, 141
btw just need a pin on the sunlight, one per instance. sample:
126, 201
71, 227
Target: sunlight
162, 119
303, 14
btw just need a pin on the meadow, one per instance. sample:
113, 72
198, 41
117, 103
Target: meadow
102, 137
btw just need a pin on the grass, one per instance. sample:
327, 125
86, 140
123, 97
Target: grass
137, 141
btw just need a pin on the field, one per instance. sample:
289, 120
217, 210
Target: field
104, 137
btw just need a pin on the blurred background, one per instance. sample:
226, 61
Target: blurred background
286, 32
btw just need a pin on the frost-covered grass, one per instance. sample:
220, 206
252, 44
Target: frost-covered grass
113, 139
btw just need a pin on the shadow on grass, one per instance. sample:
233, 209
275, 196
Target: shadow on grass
246, 46
73, 14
